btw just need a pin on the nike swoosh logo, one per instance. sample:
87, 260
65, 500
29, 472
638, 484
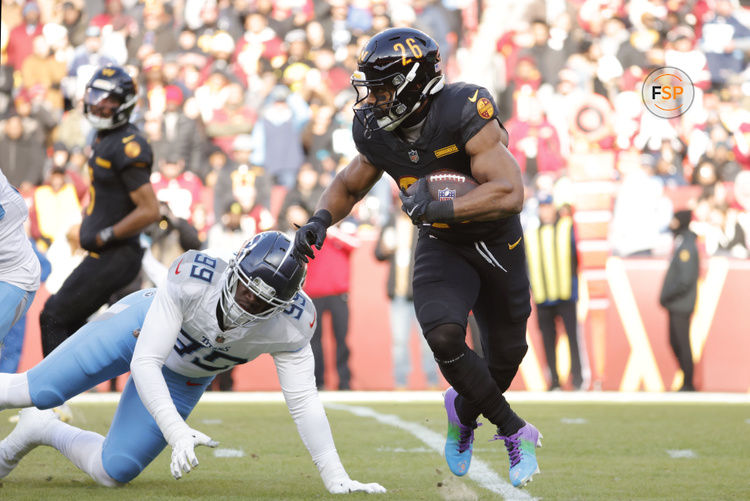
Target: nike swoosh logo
126, 139
177, 270
473, 98
190, 383
315, 314
410, 212
513, 246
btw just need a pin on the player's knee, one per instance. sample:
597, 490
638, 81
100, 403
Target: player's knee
121, 468
98, 472
446, 341
47, 397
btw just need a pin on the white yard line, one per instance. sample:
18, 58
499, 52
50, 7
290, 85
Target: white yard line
480, 471
412, 397
229, 453
681, 453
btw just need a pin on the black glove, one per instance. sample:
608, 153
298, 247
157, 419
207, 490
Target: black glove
421, 208
415, 205
312, 233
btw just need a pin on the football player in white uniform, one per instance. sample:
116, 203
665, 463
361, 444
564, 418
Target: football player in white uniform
208, 317
19, 266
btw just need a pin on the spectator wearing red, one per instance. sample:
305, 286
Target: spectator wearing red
260, 37
114, 15
535, 144
20, 42
232, 119
327, 283
741, 147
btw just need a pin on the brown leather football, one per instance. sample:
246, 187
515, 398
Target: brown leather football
447, 184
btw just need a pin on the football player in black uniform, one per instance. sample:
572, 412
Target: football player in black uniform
122, 204
470, 254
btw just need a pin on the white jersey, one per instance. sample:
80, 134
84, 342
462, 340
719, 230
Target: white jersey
190, 296
181, 331
19, 265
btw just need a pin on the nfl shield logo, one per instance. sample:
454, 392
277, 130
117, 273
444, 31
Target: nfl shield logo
414, 156
446, 194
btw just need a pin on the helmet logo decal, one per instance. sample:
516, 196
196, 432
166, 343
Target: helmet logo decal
485, 108
414, 156
108, 72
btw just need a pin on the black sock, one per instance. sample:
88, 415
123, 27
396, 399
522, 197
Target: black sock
478, 392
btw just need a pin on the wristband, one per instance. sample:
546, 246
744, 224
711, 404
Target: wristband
106, 235
439, 212
322, 216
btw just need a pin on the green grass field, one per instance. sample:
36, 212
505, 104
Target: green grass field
592, 451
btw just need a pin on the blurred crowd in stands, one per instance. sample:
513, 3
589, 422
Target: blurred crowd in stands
248, 106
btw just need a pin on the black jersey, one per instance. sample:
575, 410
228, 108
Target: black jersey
456, 114
120, 163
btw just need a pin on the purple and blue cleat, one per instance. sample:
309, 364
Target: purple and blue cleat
521, 448
460, 438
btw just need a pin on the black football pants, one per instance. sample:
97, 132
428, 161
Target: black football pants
87, 288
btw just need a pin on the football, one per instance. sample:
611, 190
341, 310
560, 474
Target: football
447, 184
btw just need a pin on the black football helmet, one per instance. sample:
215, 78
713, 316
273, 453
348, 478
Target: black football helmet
267, 267
403, 62
109, 98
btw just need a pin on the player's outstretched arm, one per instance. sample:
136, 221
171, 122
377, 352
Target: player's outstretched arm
336, 202
155, 341
297, 379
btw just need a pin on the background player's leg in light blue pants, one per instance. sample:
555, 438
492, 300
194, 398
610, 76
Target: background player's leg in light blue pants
99, 351
14, 302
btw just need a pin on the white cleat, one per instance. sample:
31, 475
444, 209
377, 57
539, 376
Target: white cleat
25, 436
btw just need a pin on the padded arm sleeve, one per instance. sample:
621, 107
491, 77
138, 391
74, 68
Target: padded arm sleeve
155, 342
297, 380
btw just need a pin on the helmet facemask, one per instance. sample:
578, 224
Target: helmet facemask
96, 98
407, 94
234, 314
249, 271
